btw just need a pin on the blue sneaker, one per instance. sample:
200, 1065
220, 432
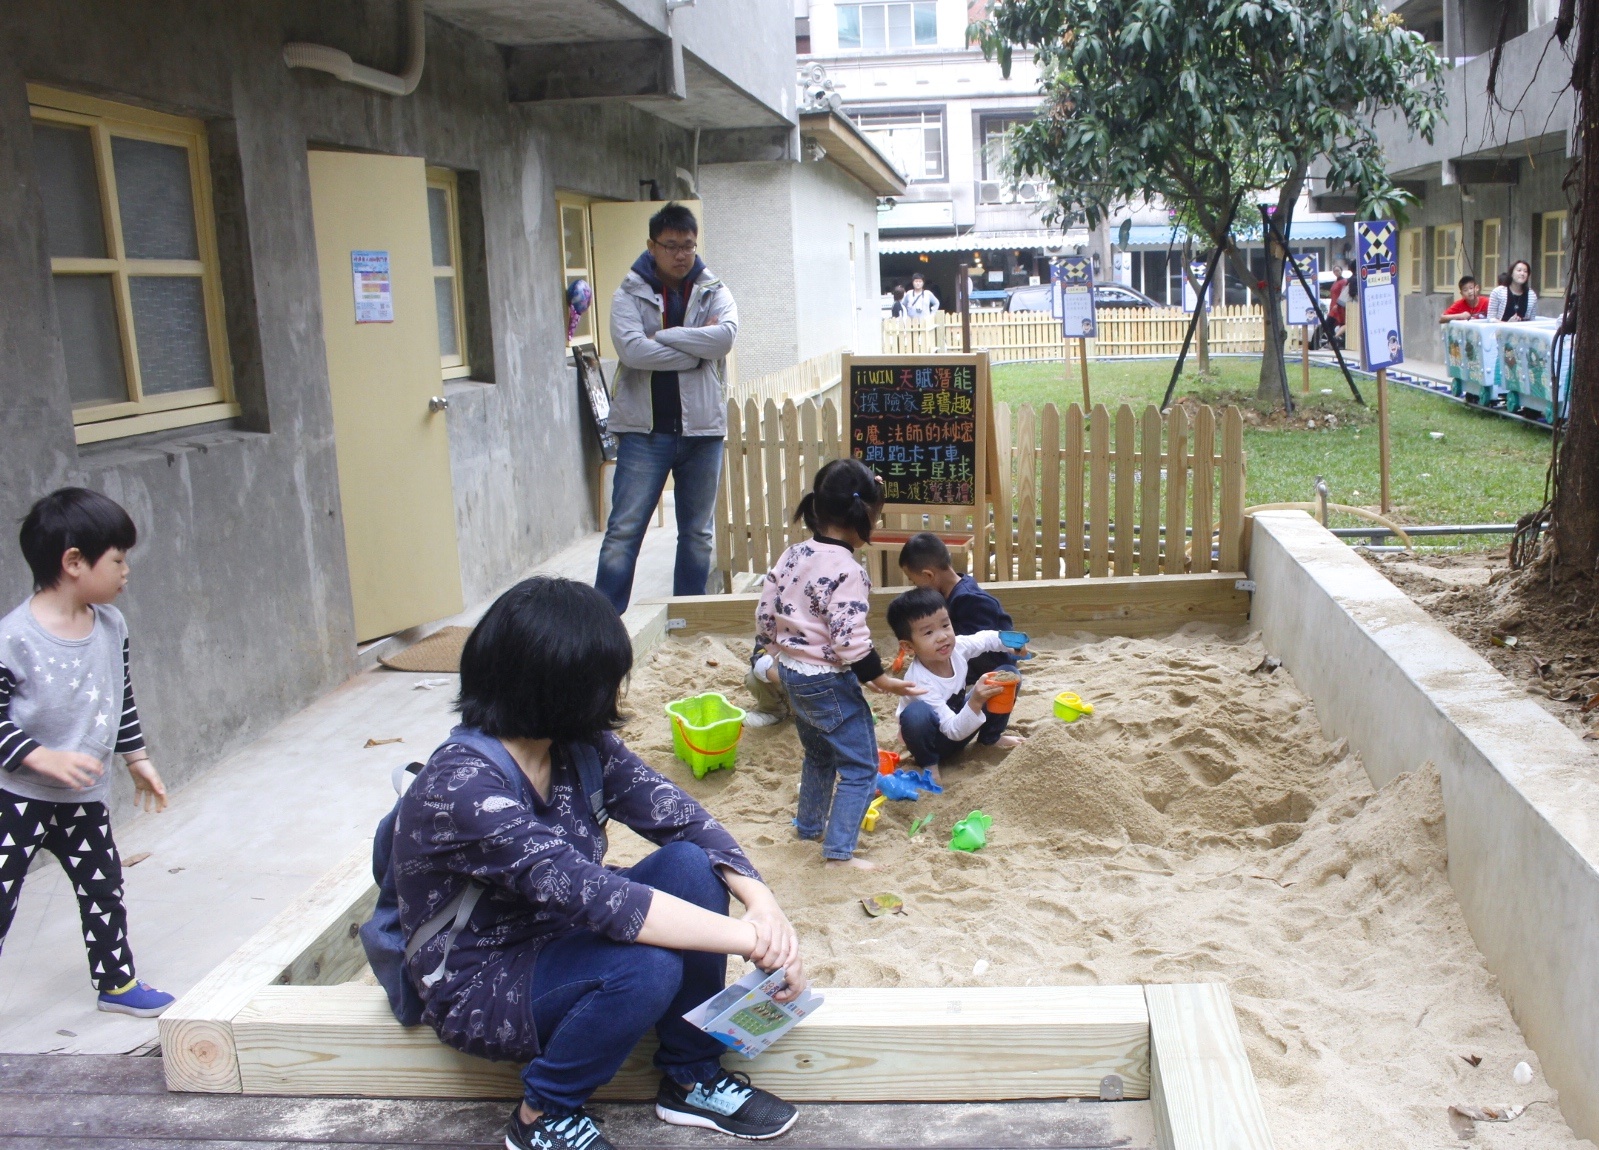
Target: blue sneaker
138, 998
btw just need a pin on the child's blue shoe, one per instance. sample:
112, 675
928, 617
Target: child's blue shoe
138, 998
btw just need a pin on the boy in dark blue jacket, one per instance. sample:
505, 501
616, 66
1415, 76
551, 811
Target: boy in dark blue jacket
925, 561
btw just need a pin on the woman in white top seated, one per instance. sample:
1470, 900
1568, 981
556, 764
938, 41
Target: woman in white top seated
1516, 301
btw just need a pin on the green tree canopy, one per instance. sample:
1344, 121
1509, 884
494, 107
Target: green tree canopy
1211, 104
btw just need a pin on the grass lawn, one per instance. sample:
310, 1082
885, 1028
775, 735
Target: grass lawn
1484, 470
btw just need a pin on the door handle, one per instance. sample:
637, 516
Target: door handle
439, 403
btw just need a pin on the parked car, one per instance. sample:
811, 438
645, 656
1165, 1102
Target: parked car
1035, 297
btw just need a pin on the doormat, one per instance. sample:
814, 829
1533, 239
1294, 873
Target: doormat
438, 654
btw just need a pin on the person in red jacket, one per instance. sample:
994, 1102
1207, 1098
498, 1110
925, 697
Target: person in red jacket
1472, 304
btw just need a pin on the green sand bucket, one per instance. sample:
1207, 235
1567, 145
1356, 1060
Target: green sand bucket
705, 731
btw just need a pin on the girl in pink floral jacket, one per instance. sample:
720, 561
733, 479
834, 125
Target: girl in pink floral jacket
812, 616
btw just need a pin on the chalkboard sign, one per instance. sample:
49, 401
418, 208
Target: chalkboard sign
921, 423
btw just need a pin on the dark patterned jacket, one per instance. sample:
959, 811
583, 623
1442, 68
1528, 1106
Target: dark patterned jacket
544, 866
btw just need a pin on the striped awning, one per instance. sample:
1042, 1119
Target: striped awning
1164, 235
980, 242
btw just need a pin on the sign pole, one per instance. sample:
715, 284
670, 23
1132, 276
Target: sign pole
963, 294
1382, 433
1082, 358
1304, 354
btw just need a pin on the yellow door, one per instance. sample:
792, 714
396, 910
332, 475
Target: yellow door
619, 231
371, 216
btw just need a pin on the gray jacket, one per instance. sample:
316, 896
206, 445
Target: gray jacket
697, 351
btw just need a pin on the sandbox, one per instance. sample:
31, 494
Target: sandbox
1202, 832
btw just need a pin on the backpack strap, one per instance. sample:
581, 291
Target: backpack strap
590, 778
454, 915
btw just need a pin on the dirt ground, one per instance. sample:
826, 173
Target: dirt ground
1544, 641
1198, 826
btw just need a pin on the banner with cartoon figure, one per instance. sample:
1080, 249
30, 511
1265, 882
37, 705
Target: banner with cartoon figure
1301, 307
1074, 284
1381, 340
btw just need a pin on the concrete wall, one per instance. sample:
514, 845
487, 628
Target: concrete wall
749, 242
1520, 794
1515, 206
239, 602
779, 232
828, 203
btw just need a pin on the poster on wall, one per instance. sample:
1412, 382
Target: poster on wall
1074, 277
1196, 276
1381, 342
374, 291
1301, 307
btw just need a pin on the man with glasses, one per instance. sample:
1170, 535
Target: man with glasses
672, 323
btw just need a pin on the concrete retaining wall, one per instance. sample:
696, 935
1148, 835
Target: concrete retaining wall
1521, 793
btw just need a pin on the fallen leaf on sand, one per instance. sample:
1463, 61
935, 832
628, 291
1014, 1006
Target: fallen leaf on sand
1474, 1059
1501, 1113
135, 860
382, 742
878, 905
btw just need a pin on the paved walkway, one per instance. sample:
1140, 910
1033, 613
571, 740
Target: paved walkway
241, 841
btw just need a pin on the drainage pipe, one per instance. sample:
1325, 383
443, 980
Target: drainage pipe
1313, 508
338, 63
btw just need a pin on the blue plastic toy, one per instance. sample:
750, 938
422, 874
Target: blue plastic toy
908, 785
1015, 640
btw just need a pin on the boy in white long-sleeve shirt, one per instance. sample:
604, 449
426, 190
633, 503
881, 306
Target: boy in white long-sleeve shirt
943, 720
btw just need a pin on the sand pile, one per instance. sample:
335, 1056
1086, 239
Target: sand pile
1198, 826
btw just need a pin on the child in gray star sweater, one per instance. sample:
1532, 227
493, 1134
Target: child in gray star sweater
66, 709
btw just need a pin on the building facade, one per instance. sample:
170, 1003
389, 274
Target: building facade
314, 335
1489, 187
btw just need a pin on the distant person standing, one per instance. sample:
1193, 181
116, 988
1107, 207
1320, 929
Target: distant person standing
919, 302
897, 311
1514, 300
673, 323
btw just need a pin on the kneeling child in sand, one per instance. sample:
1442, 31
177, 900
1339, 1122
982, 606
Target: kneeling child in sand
948, 716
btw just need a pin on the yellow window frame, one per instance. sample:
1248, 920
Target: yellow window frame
578, 264
458, 366
1445, 258
141, 413
1489, 252
1410, 260
1552, 276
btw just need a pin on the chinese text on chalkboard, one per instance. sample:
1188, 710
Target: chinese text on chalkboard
916, 428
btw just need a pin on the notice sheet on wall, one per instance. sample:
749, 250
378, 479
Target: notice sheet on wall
374, 291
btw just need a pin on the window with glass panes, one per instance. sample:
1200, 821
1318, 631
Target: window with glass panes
133, 262
1445, 258
1553, 240
913, 140
576, 260
869, 27
444, 233
996, 143
1411, 264
1488, 253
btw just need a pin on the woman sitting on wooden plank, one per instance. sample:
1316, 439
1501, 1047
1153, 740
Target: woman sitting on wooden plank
565, 963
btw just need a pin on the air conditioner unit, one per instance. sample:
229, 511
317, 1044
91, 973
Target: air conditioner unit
1028, 192
990, 192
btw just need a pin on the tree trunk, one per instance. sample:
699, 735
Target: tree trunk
1576, 508
1273, 386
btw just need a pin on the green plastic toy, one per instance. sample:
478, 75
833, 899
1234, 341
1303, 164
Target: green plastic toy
918, 826
971, 833
706, 730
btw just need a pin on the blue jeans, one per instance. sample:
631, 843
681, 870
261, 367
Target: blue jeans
839, 735
643, 461
592, 999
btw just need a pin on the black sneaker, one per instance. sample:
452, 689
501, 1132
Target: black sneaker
727, 1103
573, 1132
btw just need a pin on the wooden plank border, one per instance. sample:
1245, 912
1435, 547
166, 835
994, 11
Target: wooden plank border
950, 1044
1129, 605
1202, 1087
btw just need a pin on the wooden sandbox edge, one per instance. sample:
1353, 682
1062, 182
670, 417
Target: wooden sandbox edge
1120, 605
1201, 1084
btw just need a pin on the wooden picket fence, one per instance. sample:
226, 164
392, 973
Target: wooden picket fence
1092, 494
1124, 333
809, 379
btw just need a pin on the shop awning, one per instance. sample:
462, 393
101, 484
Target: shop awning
1161, 235
981, 242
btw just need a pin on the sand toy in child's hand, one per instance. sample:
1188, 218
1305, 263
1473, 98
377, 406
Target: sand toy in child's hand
705, 731
908, 785
1016, 641
971, 833
1007, 681
1069, 707
880, 904
873, 812
887, 762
